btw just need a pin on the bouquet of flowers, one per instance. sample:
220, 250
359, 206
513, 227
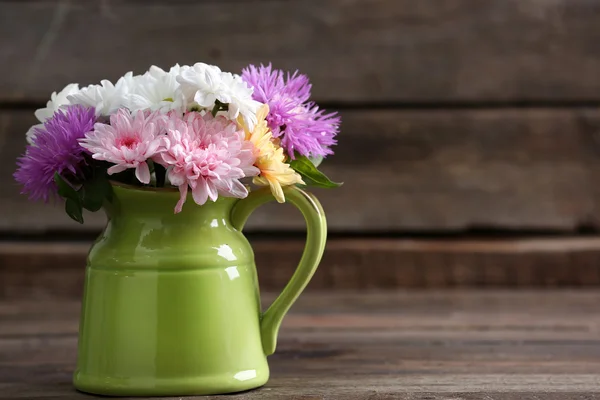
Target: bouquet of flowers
195, 128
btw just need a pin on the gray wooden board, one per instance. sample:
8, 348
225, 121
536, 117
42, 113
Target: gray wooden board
380, 51
55, 270
405, 345
410, 170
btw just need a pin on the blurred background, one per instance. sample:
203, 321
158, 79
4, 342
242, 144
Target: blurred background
470, 141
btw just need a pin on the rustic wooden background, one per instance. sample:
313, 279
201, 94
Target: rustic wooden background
470, 144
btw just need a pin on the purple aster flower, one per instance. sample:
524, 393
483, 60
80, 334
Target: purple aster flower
55, 149
298, 122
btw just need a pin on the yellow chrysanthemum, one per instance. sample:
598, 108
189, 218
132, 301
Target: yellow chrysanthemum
270, 159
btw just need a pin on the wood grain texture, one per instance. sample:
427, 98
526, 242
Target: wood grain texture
383, 51
411, 170
406, 345
56, 270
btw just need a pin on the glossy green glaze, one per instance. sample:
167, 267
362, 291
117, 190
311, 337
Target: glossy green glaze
171, 304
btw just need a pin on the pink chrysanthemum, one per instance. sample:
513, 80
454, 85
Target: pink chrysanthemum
54, 148
128, 142
208, 155
302, 127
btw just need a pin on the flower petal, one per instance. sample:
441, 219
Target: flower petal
142, 172
183, 189
30, 135
200, 192
115, 169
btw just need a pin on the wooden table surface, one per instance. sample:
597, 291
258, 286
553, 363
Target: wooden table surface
360, 345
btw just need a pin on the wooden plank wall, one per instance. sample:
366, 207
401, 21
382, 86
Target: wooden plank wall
459, 116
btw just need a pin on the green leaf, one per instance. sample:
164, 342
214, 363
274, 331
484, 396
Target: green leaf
65, 190
109, 192
73, 206
310, 174
95, 191
73, 209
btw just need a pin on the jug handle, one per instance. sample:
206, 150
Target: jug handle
316, 236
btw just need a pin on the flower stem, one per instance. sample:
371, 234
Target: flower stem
219, 107
216, 109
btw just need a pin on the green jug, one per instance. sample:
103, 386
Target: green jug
171, 304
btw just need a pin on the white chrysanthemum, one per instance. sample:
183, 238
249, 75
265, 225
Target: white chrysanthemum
158, 90
204, 84
241, 99
129, 82
56, 101
107, 98
201, 84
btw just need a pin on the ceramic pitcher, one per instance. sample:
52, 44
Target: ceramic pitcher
171, 303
